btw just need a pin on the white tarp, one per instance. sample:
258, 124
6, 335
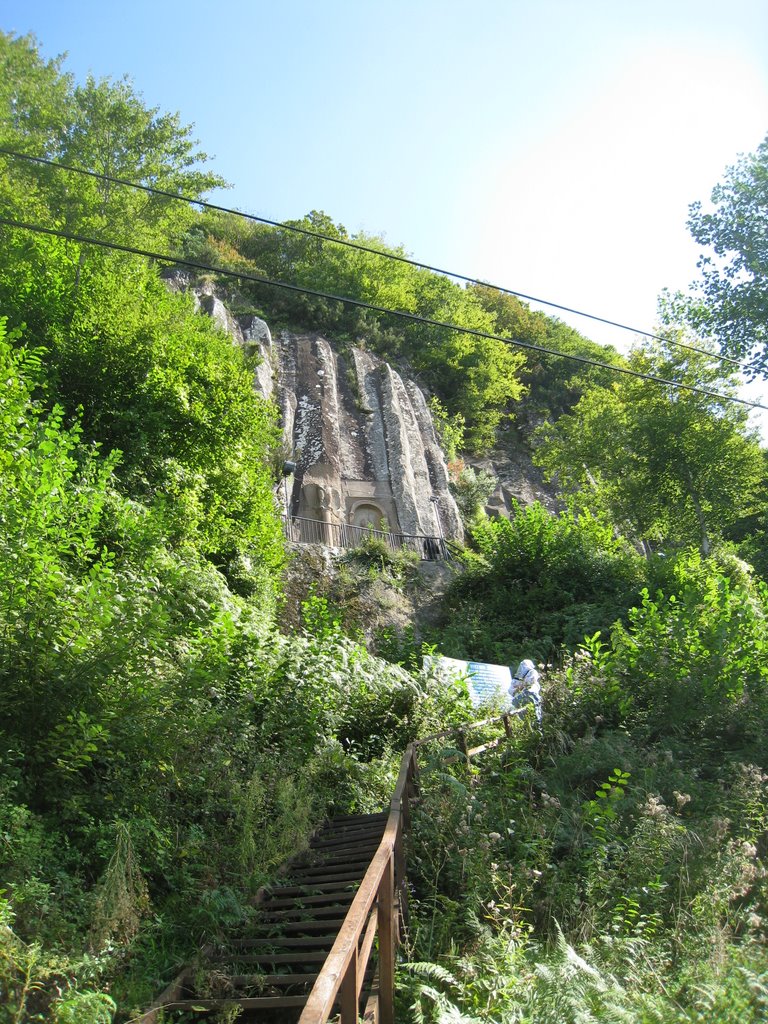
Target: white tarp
486, 683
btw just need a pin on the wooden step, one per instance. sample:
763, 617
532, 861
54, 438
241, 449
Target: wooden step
250, 1003
275, 943
353, 831
316, 888
328, 869
331, 898
333, 878
342, 819
308, 957
326, 853
257, 980
332, 910
308, 925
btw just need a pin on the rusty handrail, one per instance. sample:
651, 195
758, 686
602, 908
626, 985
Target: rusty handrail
342, 975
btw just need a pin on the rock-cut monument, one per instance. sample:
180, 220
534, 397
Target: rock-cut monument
361, 435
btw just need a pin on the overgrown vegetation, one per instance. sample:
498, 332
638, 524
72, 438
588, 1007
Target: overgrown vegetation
164, 745
148, 697
614, 869
668, 464
538, 582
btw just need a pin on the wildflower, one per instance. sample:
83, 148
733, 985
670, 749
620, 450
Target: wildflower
654, 807
720, 827
495, 837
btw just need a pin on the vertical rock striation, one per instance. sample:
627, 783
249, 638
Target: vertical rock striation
363, 441
361, 435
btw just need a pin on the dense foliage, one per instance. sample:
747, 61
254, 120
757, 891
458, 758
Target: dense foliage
142, 372
102, 126
153, 723
613, 869
668, 464
730, 300
541, 581
164, 745
554, 384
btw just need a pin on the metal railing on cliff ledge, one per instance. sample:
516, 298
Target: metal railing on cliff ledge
342, 535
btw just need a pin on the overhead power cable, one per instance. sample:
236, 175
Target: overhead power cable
350, 244
411, 317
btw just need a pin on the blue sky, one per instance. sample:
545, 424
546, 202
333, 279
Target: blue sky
552, 146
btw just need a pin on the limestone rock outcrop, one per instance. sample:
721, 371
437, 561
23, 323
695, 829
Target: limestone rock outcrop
360, 434
363, 441
518, 480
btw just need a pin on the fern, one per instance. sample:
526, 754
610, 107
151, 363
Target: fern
434, 972
428, 1003
84, 1008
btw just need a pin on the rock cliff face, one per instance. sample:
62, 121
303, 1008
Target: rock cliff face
363, 441
518, 480
361, 435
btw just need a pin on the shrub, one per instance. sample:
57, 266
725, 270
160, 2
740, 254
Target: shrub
544, 581
471, 489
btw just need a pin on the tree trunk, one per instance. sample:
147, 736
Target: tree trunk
704, 546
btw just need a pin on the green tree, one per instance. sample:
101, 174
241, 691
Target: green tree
150, 377
114, 133
730, 302
56, 581
553, 385
35, 110
750, 533
158, 382
668, 464
100, 126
